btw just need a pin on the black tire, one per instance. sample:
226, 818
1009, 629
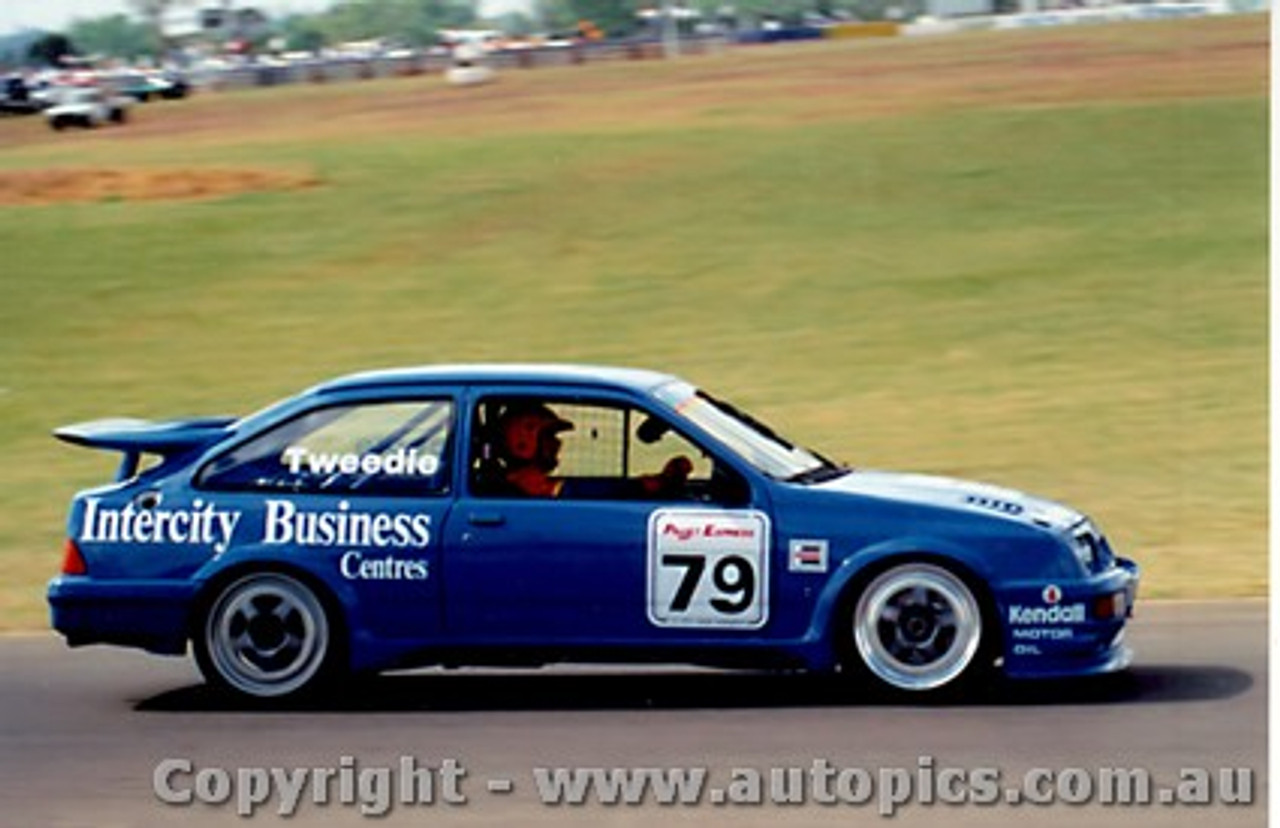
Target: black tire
919, 628
268, 635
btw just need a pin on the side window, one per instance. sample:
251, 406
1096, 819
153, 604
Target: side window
595, 446
572, 450
377, 448
654, 444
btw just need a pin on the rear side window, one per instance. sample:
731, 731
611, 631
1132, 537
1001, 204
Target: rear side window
378, 448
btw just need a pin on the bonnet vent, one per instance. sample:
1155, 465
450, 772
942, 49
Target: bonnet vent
994, 504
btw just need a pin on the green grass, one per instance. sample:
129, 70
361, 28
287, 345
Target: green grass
1058, 290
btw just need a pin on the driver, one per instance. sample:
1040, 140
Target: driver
530, 442
530, 435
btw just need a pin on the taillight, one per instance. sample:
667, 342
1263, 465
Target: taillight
1106, 607
72, 560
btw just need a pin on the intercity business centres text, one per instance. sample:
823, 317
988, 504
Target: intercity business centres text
374, 790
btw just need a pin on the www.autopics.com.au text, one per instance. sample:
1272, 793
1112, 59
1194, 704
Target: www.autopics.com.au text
374, 790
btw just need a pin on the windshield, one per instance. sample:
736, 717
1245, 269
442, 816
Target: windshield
750, 439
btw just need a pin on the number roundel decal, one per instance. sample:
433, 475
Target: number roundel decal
708, 568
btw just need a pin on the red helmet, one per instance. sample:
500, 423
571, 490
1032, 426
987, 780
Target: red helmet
522, 429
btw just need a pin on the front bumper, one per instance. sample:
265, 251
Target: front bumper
1070, 629
152, 615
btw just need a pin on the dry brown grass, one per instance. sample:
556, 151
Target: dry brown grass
50, 186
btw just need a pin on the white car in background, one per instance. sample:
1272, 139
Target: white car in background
470, 65
87, 106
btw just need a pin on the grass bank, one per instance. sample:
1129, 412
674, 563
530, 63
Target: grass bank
1034, 258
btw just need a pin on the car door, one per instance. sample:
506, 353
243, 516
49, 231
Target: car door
615, 557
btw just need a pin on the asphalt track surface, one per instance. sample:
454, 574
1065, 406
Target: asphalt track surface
82, 733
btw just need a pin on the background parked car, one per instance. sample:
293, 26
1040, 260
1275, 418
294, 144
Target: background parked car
87, 106
145, 86
16, 97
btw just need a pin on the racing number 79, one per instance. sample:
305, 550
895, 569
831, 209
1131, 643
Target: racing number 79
733, 577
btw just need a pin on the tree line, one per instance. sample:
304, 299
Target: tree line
417, 23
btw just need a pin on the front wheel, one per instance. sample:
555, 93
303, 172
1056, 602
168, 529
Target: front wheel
918, 627
266, 635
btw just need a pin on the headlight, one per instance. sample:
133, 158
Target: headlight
1085, 543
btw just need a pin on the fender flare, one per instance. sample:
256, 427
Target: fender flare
857, 570
339, 600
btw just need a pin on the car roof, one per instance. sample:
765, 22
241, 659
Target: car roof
629, 379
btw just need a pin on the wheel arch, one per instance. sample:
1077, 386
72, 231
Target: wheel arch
859, 570
339, 623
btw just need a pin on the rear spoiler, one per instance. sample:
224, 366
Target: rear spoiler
135, 438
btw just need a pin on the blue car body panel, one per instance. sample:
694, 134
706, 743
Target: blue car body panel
453, 577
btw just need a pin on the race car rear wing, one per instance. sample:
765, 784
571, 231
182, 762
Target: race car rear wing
134, 438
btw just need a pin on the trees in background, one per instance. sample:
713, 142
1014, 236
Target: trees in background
153, 14
613, 17
302, 34
116, 35
413, 22
50, 50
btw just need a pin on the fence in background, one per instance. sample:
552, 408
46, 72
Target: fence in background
408, 63
405, 64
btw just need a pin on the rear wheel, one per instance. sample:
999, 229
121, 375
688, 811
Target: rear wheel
266, 635
918, 627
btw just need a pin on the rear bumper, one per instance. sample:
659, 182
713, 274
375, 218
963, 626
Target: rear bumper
1070, 629
151, 615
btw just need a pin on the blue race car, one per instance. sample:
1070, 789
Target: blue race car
524, 515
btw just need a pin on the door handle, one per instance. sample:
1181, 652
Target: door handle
486, 519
